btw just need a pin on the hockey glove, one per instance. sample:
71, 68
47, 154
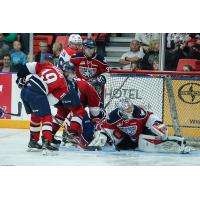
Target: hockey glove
20, 82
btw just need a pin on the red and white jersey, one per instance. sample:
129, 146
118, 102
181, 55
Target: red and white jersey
65, 55
87, 68
88, 95
51, 80
120, 126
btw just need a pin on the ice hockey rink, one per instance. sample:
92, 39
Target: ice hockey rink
13, 145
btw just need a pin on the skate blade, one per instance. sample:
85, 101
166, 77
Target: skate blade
93, 148
46, 152
55, 145
33, 150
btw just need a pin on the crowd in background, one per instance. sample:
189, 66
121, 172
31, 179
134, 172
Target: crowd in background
143, 54
144, 51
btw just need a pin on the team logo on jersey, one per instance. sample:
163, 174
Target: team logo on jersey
87, 72
129, 130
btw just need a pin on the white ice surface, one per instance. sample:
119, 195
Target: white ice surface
13, 145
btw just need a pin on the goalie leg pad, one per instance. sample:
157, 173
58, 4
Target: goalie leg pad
172, 144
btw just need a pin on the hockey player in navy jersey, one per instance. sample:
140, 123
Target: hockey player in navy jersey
88, 97
132, 127
90, 66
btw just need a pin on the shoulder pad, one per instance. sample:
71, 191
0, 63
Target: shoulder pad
113, 116
139, 112
101, 59
77, 55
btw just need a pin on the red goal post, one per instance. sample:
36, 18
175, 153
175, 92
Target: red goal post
173, 95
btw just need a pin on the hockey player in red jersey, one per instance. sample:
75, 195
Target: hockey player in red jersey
88, 97
90, 66
42, 80
131, 127
74, 46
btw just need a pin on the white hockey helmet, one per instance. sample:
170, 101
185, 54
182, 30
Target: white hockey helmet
75, 41
125, 107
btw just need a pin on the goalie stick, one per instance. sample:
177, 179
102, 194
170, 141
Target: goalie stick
18, 114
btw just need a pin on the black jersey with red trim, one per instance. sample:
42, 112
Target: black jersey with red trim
87, 68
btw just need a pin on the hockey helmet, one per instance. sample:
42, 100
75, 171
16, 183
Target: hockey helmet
68, 66
68, 70
75, 41
125, 107
89, 47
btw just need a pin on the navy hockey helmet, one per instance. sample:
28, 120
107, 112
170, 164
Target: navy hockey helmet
89, 47
89, 43
68, 66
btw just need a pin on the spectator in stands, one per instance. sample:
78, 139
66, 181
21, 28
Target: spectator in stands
57, 48
24, 39
146, 38
175, 40
40, 57
194, 48
18, 58
9, 38
4, 49
131, 59
176, 48
6, 63
151, 55
156, 65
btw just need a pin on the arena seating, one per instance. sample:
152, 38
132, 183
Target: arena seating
63, 39
41, 38
193, 62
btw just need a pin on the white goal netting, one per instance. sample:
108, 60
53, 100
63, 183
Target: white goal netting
175, 98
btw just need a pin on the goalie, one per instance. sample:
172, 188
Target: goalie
132, 127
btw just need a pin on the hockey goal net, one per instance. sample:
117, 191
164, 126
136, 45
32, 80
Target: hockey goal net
173, 96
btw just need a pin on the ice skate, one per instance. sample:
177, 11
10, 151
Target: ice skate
34, 146
55, 142
48, 148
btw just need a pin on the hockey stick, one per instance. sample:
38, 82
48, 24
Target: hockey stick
74, 138
18, 114
108, 103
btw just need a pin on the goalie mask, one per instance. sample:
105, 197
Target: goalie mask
75, 41
125, 107
89, 48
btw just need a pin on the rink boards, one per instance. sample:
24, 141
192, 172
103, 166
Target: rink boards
148, 92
